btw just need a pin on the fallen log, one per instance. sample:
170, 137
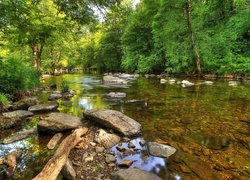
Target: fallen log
54, 140
68, 171
18, 136
56, 163
11, 161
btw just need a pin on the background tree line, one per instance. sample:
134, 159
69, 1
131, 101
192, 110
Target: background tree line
173, 36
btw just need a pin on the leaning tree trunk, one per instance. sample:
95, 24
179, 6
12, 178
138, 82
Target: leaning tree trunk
194, 43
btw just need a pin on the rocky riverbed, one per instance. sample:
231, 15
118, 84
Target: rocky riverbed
201, 124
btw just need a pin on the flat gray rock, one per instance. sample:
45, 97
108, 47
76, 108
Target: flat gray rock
116, 95
18, 114
115, 120
49, 106
134, 174
115, 80
58, 122
161, 150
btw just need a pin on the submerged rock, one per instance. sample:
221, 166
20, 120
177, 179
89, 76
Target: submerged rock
116, 95
186, 83
106, 139
6, 122
49, 106
19, 136
58, 122
163, 81
115, 120
233, 83
156, 149
112, 79
134, 174
216, 142
18, 114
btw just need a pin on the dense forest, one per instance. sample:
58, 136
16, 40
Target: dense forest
152, 36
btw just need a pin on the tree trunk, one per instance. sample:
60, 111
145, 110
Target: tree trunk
194, 43
37, 54
34, 51
56, 163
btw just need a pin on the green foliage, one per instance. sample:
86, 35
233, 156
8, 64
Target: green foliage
158, 38
154, 36
4, 100
64, 86
16, 76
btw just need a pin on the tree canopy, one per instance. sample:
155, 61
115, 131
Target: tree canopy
172, 36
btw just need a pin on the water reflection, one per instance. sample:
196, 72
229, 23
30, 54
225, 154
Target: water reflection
140, 156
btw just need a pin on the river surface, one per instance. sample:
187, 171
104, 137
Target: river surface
209, 125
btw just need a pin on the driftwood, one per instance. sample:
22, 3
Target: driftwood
11, 161
54, 140
18, 136
56, 163
68, 171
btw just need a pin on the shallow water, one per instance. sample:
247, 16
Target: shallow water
207, 124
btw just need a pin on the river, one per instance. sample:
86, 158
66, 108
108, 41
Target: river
207, 124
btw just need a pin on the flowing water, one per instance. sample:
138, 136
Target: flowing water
209, 125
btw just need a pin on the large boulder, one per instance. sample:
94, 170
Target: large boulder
49, 106
24, 104
161, 150
6, 122
115, 80
106, 139
134, 174
58, 122
18, 114
115, 120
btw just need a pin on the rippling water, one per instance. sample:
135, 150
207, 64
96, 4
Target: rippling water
209, 125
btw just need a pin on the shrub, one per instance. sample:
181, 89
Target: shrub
64, 85
4, 102
16, 76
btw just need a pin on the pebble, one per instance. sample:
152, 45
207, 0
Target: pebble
205, 152
99, 149
93, 144
84, 156
120, 148
142, 143
126, 163
125, 139
185, 169
131, 145
89, 159
127, 152
110, 158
